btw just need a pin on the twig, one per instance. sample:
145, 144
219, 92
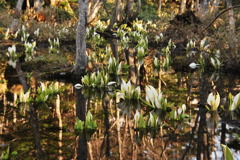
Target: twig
236, 6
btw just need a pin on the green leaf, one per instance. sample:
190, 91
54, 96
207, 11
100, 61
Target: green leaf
5, 154
79, 125
141, 122
227, 153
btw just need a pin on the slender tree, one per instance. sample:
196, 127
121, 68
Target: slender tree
93, 9
114, 16
14, 25
81, 57
183, 6
38, 5
231, 17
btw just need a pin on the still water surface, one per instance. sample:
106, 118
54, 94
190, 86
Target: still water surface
46, 130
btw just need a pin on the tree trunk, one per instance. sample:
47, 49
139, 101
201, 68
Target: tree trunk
81, 57
94, 10
214, 7
114, 16
37, 5
53, 2
129, 10
138, 10
28, 4
205, 7
183, 6
14, 25
231, 17
159, 7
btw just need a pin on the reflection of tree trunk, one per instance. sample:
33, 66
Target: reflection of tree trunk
33, 115
119, 135
202, 147
81, 57
80, 105
14, 25
191, 136
2, 118
223, 133
82, 149
106, 140
59, 116
35, 127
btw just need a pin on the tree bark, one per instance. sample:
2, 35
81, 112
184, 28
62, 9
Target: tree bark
81, 57
159, 7
37, 5
231, 17
129, 10
94, 10
114, 16
14, 25
183, 6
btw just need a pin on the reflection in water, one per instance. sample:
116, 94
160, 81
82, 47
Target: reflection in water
106, 141
59, 116
116, 137
34, 122
81, 147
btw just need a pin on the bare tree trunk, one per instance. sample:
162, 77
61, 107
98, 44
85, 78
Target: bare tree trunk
197, 7
14, 25
159, 7
138, 10
183, 6
53, 2
205, 7
37, 5
28, 4
94, 10
114, 16
214, 7
231, 17
129, 10
192, 5
81, 57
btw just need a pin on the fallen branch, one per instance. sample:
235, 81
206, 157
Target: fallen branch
236, 6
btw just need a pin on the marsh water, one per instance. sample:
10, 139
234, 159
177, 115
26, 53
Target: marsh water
46, 130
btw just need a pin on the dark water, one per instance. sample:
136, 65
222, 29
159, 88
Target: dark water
46, 131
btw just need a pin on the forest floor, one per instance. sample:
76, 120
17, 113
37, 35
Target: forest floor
180, 30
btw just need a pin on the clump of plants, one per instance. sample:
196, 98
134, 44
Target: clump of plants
129, 91
179, 113
99, 79
155, 99
44, 94
88, 125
